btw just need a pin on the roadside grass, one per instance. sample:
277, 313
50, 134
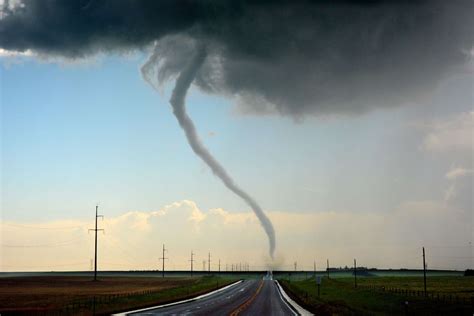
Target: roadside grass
200, 286
81, 296
445, 285
339, 297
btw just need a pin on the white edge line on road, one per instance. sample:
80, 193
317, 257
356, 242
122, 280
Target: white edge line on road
291, 308
180, 302
298, 308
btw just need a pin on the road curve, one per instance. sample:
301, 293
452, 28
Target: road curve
250, 297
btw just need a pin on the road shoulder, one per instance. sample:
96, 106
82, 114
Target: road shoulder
295, 306
180, 302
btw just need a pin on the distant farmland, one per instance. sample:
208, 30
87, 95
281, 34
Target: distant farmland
378, 291
300, 274
74, 294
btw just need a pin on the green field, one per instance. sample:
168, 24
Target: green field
447, 295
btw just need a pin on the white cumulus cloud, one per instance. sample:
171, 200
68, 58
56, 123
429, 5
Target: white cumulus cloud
133, 240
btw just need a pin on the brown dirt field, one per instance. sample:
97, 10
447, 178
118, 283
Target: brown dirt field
45, 292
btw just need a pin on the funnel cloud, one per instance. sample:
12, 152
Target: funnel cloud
177, 101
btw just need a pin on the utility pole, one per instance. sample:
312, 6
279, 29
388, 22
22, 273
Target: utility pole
355, 273
209, 263
327, 269
424, 270
192, 261
226, 266
314, 268
95, 248
295, 265
204, 265
219, 265
163, 262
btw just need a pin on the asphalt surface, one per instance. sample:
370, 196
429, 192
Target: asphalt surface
250, 297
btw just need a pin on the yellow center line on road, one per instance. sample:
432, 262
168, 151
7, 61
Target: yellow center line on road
247, 303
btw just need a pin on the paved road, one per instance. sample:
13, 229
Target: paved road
250, 297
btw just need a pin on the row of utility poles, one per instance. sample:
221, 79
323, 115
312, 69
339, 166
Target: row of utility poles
163, 258
238, 267
95, 244
191, 262
355, 271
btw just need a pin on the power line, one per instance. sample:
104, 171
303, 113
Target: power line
192, 261
209, 263
128, 256
95, 248
424, 270
452, 257
46, 266
163, 262
117, 264
46, 228
355, 273
56, 244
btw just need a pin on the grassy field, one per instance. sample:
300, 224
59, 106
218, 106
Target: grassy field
385, 295
75, 295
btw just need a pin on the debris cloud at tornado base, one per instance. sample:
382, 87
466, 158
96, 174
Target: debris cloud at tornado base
178, 96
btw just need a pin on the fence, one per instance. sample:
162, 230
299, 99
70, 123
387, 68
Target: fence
447, 302
430, 295
89, 305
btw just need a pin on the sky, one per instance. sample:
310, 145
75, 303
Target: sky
338, 180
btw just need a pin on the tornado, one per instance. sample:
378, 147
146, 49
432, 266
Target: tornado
177, 101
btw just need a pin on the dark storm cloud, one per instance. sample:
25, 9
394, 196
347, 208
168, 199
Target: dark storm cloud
287, 57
